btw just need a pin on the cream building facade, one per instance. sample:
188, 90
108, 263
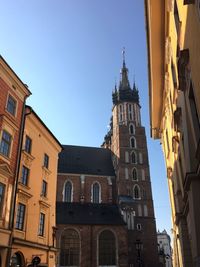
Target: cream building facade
35, 216
173, 40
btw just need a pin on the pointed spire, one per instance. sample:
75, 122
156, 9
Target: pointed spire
124, 83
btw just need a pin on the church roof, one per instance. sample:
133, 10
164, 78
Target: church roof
85, 160
88, 213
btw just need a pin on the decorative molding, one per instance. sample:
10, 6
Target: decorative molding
168, 50
27, 158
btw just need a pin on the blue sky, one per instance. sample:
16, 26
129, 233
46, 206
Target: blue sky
69, 54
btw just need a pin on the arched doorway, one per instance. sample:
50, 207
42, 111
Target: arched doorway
17, 260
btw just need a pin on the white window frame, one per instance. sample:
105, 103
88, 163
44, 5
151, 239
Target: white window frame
71, 190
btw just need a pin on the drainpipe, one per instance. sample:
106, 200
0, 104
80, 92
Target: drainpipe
15, 185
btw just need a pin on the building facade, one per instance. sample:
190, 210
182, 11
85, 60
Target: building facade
173, 37
35, 218
13, 94
165, 251
105, 194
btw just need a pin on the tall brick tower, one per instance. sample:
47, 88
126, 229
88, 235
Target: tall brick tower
127, 141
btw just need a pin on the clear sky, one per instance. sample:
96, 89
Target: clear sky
69, 54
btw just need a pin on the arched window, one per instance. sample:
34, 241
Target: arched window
133, 157
96, 193
131, 129
68, 192
107, 249
132, 142
17, 260
136, 192
69, 248
134, 174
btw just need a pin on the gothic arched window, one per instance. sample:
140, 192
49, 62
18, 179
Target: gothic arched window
133, 157
68, 192
134, 174
107, 249
69, 248
136, 192
131, 129
132, 142
96, 192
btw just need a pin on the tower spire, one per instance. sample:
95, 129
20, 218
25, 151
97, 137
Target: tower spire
124, 83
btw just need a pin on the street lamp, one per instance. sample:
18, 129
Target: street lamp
138, 246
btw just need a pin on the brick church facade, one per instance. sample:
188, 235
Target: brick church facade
104, 213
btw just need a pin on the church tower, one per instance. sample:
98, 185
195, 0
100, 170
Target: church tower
127, 141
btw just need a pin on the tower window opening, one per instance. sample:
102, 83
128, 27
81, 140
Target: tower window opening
133, 158
136, 192
133, 142
131, 129
134, 175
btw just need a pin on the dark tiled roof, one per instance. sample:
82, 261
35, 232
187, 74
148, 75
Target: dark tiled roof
85, 160
88, 213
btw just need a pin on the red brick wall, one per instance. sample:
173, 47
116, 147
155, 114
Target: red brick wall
89, 180
4, 91
89, 242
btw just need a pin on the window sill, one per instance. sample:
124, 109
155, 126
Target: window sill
5, 158
46, 171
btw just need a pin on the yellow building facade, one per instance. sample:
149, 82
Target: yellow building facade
173, 41
35, 217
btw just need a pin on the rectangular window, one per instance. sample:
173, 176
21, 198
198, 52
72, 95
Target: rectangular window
41, 224
20, 216
11, 105
46, 161
5, 143
28, 144
25, 175
44, 188
2, 192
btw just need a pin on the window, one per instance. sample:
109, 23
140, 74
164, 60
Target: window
130, 112
20, 216
28, 144
46, 161
134, 174
25, 175
11, 105
132, 142
107, 249
136, 192
68, 192
41, 224
69, 248
44, 188
120, 113
139, 226
95, 193
2, 192
133, 157
5, 143
131, 129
